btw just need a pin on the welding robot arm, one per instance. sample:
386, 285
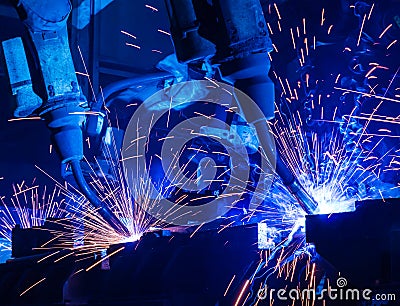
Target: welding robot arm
64, 105
233, 33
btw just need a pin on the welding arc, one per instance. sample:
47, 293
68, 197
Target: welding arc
102, 209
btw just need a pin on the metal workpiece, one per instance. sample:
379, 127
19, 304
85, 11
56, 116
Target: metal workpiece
20, 77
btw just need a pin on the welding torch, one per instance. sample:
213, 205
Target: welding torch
233, 36
61, 103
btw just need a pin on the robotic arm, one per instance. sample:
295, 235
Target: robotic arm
233, 33
63, 103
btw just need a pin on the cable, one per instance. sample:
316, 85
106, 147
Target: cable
104, 95
103, 210
124, 84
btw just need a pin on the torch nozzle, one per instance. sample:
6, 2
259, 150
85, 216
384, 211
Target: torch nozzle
103, 210
305, 200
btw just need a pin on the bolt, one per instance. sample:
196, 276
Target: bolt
74, 86
51, 90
